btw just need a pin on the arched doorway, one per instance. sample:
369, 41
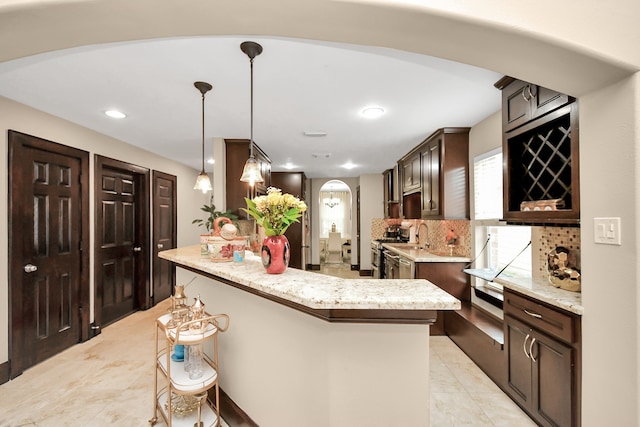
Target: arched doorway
334, 218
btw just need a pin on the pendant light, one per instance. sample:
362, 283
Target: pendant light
251, 172
202, 182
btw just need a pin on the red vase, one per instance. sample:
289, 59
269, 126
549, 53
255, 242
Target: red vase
275, 254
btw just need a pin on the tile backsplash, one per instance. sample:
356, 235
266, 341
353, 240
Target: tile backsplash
437, 234
545, 239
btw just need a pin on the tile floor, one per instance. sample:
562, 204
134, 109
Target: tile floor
108, 381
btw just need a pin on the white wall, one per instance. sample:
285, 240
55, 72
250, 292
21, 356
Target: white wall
371, 206
609, 184
24, 119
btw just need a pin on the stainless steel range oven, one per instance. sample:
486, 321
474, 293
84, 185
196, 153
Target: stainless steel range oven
377, 260
377, 256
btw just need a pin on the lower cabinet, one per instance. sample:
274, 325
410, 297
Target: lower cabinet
449, 277
539, 375
543, 360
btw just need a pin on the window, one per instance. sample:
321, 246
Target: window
507, 243
487, 178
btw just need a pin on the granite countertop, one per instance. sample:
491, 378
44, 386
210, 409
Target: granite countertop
415, 254
319, 291
539, 289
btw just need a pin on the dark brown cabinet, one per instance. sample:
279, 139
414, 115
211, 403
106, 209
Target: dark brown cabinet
523, 102
445, 174
440, 165
391, 203
298, 234
237, 153
540, 152
449, 277
410, 170
542, 360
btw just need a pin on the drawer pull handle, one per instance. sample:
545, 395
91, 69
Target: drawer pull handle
536, 315
524, 346
530, 350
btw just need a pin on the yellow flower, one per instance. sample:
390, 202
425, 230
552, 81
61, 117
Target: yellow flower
275, 211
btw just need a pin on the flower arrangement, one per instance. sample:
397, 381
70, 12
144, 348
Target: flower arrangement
275, 211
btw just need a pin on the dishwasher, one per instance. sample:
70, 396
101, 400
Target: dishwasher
391, 265
407, 268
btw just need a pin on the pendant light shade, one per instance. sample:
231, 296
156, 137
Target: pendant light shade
203, 183
251, 172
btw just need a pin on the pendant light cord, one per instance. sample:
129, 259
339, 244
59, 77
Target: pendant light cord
251, 112
202, 132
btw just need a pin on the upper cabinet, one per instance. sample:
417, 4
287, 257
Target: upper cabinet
523, 102
435, 176
236, 154
390, 193
410, 170
540, 154
445, 174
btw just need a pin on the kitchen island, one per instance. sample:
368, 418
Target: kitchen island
308, 349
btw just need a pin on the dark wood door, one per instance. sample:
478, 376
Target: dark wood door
164, 233
49, 239
519, 376
122, 248
552, 380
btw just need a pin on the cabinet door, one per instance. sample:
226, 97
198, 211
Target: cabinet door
523, 102
516, 107
519, 378
430, 158
546, 100
411, 174
553, 373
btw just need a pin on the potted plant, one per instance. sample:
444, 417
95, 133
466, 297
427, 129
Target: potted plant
213, 214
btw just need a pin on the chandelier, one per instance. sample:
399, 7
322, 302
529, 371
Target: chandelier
331, 201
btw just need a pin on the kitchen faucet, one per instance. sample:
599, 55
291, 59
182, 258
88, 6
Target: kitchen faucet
426, 235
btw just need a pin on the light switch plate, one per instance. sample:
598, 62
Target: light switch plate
607, 231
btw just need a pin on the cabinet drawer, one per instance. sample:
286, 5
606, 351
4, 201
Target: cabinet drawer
553, 322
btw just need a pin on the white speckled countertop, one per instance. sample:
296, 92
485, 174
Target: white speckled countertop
412, 251
537, 288
540, 289
318, 291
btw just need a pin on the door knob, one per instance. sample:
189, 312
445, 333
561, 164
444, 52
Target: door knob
30, 268
137, 249
160, 246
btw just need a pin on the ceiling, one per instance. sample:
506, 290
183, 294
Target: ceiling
299, 86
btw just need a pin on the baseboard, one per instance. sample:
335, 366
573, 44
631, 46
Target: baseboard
232, 413
313, 266
365, 272
4, 372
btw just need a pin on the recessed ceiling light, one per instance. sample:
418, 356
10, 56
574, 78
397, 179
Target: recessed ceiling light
372, 112
315, 133
211, 161
115, 114
289, 166
349, 165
